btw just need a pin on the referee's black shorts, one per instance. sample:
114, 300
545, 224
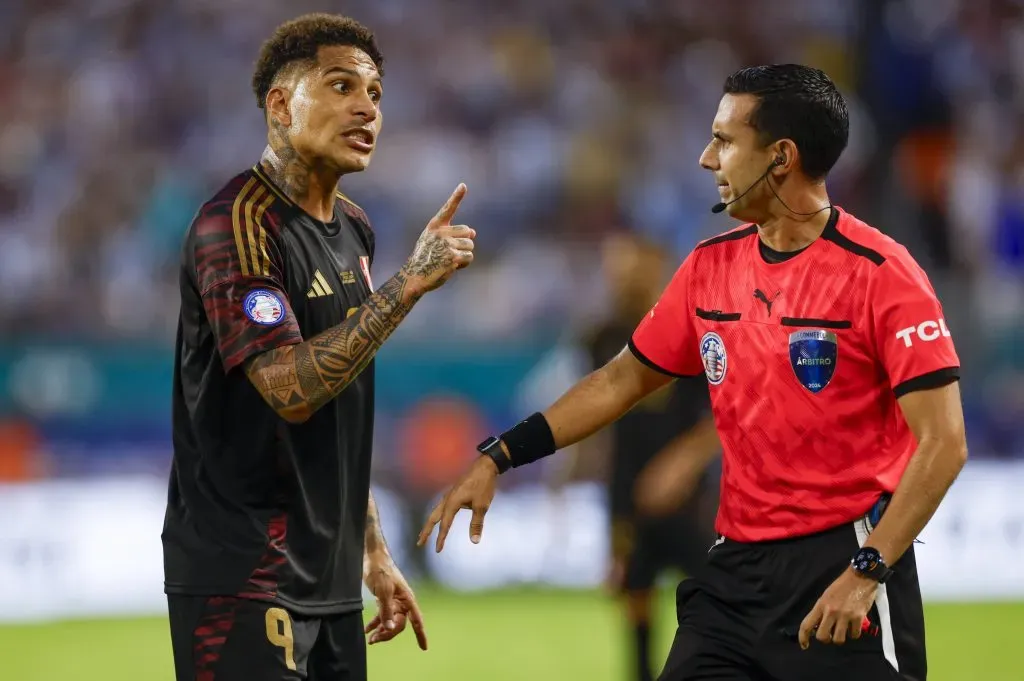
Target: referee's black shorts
237, 639
739, 618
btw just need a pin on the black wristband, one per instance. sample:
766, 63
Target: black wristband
492, 447
529, 440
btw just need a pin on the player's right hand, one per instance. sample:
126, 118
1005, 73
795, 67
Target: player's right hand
475, 491
442, 248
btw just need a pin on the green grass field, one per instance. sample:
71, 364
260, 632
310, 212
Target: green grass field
499, 636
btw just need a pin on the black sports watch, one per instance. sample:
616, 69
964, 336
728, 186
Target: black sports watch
869, 563
492, 447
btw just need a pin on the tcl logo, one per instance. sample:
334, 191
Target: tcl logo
926, 331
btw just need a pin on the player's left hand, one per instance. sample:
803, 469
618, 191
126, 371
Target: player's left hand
396, 603
840, 610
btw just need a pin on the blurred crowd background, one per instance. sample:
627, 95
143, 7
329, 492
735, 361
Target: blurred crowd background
570, 121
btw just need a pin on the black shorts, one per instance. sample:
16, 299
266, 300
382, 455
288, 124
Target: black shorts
238, 639
739, 618
679, 541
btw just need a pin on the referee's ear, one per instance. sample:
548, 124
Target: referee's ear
786, 157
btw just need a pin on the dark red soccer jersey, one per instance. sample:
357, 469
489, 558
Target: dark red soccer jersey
805, 359
258, 507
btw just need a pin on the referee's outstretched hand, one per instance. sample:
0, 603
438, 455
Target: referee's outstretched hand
475, 491
841, 610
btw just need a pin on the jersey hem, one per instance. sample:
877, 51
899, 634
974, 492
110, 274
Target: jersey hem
933, 379
652, 364
338, 607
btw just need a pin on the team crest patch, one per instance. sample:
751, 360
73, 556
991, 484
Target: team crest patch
263, 307
714, 356
364, 265
813, 355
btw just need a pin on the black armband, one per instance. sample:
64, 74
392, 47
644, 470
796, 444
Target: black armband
529, 440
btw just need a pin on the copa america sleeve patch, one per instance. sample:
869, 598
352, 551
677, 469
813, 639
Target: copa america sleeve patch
264, 307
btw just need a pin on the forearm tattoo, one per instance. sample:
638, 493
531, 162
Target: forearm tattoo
296, 380
374, 534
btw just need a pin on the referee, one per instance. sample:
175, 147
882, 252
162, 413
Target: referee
834, 387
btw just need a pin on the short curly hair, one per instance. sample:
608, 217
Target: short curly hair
300, 39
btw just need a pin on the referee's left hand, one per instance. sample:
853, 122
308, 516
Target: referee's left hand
475, 491
396, 603
840, 610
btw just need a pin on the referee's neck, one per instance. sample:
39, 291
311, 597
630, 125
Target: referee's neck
784, 230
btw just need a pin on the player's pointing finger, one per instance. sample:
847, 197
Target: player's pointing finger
447, 211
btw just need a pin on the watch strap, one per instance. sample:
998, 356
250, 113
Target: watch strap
491, 447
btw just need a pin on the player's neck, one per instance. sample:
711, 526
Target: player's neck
312, 189
785, 231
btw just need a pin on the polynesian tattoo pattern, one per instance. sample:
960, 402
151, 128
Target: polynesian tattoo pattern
296, 380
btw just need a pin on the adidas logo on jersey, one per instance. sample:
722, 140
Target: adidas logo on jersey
320, 287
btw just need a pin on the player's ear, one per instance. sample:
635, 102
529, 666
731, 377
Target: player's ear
277, 107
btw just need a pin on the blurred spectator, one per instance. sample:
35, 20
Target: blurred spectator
567, 120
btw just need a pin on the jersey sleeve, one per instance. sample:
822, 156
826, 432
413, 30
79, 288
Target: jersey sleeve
912, 338
238, 268
666, 339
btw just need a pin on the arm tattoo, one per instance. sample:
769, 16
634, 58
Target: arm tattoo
296, 380
374, 541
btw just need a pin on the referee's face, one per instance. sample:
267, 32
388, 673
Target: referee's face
737, 159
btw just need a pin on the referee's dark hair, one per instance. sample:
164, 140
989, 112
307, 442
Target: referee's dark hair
799, 103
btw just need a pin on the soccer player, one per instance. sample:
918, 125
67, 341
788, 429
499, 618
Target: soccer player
270, 528
658, 492
834, 388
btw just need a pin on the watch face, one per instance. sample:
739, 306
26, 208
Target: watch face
868, 562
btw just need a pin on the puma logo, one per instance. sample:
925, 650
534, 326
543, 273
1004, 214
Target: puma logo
760, 295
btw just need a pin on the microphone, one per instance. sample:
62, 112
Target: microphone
722, 205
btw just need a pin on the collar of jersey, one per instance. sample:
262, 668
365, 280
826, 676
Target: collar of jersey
805, 255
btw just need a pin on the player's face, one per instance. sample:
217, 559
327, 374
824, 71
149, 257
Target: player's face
335, 109
737, 158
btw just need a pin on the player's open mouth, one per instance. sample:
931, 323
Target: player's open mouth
360, 139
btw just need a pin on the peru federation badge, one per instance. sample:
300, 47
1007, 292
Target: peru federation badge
813, 354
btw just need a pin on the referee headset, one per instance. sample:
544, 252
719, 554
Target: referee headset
779, 161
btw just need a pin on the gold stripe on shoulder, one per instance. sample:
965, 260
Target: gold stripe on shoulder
236, 224
270, 185
252, 229
263, 233
346, 199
